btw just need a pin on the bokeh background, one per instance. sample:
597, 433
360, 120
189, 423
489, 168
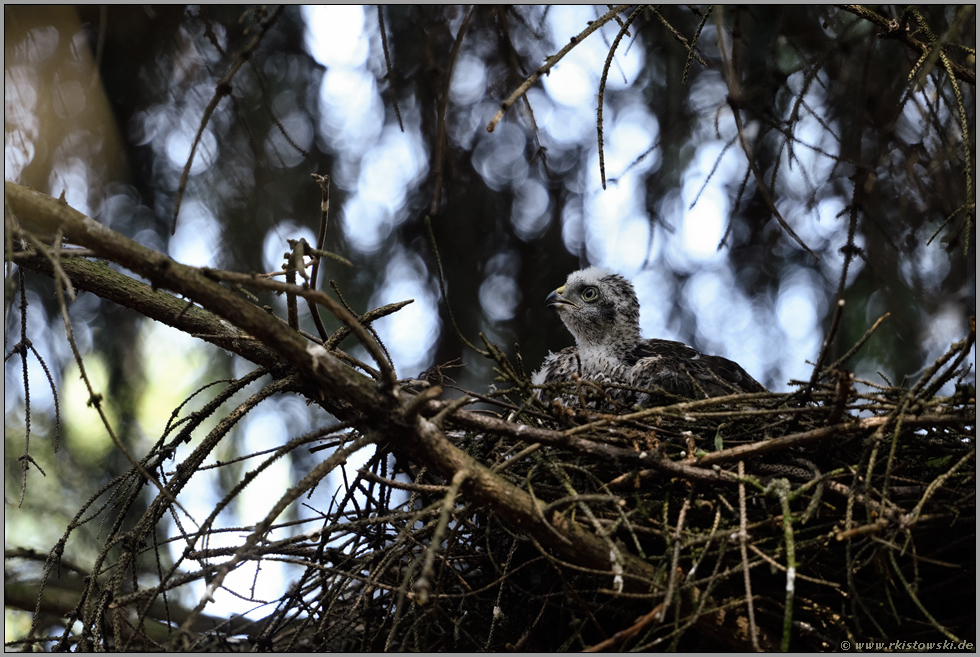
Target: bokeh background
864, 145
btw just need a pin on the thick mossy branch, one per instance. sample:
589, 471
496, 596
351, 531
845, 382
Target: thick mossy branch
162, 271
103, 281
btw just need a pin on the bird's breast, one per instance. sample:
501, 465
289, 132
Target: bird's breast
601, 365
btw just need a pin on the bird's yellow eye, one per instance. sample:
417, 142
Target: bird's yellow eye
590, 294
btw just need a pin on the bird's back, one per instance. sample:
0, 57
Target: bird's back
654, 373
681, 371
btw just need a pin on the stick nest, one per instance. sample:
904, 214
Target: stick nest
841, 512
798, 520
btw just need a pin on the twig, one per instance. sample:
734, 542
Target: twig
831, 334
222, 89
781, 490
734, 101
619, 637
321, 237
857, 345
938, 482
242, 553
445, 295
351, 322
904, 36
422, 585
623, 30
443, 103
804, 437
743, 536
388, 76
551, 61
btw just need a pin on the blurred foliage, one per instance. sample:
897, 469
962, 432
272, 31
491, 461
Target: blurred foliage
855, 124
888, 121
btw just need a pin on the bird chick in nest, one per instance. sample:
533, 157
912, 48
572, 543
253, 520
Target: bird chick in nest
601, 310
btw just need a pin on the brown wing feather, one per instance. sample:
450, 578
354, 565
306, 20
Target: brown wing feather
680, 370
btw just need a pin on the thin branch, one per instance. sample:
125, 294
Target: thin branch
551, 61
743, 536
623, 30
388, 76
222, 89
324, 183
734, 101
443, 104
893, 30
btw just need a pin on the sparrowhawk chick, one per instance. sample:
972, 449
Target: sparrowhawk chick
601, 310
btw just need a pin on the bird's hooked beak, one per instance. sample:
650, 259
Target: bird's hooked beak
556, 300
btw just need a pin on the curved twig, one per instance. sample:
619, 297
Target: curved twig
602, 87
551, 61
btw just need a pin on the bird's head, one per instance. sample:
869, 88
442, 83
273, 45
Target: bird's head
599, 308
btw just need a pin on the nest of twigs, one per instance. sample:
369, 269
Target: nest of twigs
801, 520
840, 515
